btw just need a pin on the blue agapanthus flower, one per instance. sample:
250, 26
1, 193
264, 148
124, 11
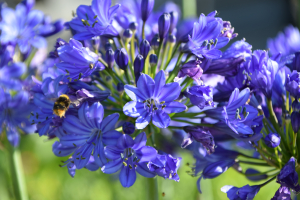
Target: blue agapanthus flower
130, 156
46, 93
14, 115
282, 193
246, 192
262, 71
25, 27
206, 39
200, 95
288, 177
89, 133
165, 166
10, 72
94, 20
286, 43
77, 61
153, 100
240, 118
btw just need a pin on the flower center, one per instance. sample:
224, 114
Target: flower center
153, 104
129, 158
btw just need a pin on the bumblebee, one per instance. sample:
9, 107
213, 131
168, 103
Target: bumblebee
61, 105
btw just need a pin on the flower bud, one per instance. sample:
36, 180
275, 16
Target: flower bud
120, 87
121, 58
127, 34
296, 62
110, 57
174, 16
128, 128
172, 39
155, 42
133, 26
146, 8
153, 60
295, 121
107, 46
163, 25
144, 48
272, 140
138, 67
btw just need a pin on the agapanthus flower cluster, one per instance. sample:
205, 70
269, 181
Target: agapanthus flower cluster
128, 73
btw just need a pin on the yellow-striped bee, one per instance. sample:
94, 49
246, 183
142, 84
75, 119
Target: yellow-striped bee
61, 105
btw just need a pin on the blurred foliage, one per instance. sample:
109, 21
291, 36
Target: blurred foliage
47, 181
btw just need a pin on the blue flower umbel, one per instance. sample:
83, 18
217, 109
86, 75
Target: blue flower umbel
130, 156
153, 100
14, 114
25, 27
89, 133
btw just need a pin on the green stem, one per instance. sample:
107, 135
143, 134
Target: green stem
170, 53
17, 174
121, 42
189, 82
174, 73
127, 76
166, 49
273, 117
159, 50
268, 181
253, 163
173, 54
143, 30
152, 189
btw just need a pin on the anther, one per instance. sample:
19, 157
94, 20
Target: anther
91, 65
125, 164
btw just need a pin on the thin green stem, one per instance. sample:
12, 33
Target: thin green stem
253, 163
165, 51
17, 174
268, 181
127, 76
173, 54
273, 117
143, 30
102, 61
189, 82
121, 42
152, 189
174, 73
159, 50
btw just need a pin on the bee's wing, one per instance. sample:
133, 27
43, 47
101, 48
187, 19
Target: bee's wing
76, 103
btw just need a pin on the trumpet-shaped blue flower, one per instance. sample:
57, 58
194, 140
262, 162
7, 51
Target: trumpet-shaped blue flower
153, 100
201, 96
44, 98
288, 177
282, 193
200, 135
165, 166
206, 40
94, 20
25, 27
285, 43
261, 71
90, 133
240, 118
14, 115
77, 61
9, 71
246, 192
130, 156
292, 84
215, 169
